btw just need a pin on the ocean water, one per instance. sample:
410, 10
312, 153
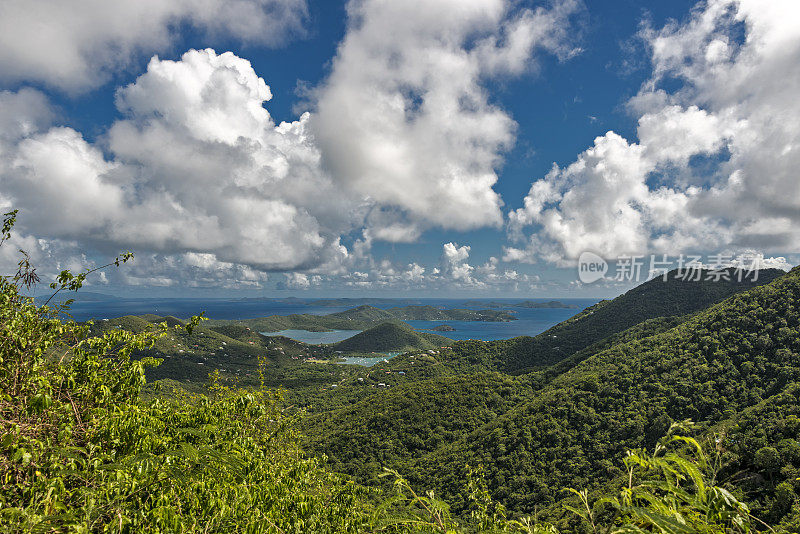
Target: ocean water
530, 321
315, 338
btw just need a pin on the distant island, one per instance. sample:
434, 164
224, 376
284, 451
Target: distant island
82, 296
364, 317
552, 304
444, 328
332, 303
429, 313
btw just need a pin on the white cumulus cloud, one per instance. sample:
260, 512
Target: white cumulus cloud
405, 118
79, 44
454, 264
198, 166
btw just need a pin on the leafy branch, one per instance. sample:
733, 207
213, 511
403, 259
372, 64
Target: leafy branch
73, 282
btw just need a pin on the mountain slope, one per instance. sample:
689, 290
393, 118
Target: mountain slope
718, 363
448, 366
761, 457
391, 337
357, 443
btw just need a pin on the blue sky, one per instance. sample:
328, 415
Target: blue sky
418, 147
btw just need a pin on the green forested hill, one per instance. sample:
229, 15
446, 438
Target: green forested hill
709, 368
391, 337
233, 350
358, 444
361, 314
389, 427
760, 455
312, 323
358, 318
241, 333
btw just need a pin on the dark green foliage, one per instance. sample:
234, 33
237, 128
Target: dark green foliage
359, 447
645, 329
389, 428
761, 453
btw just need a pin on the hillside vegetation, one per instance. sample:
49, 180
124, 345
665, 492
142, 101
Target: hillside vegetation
391, 337
80, 453
347, 432
389, 428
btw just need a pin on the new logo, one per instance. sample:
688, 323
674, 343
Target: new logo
591, 267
